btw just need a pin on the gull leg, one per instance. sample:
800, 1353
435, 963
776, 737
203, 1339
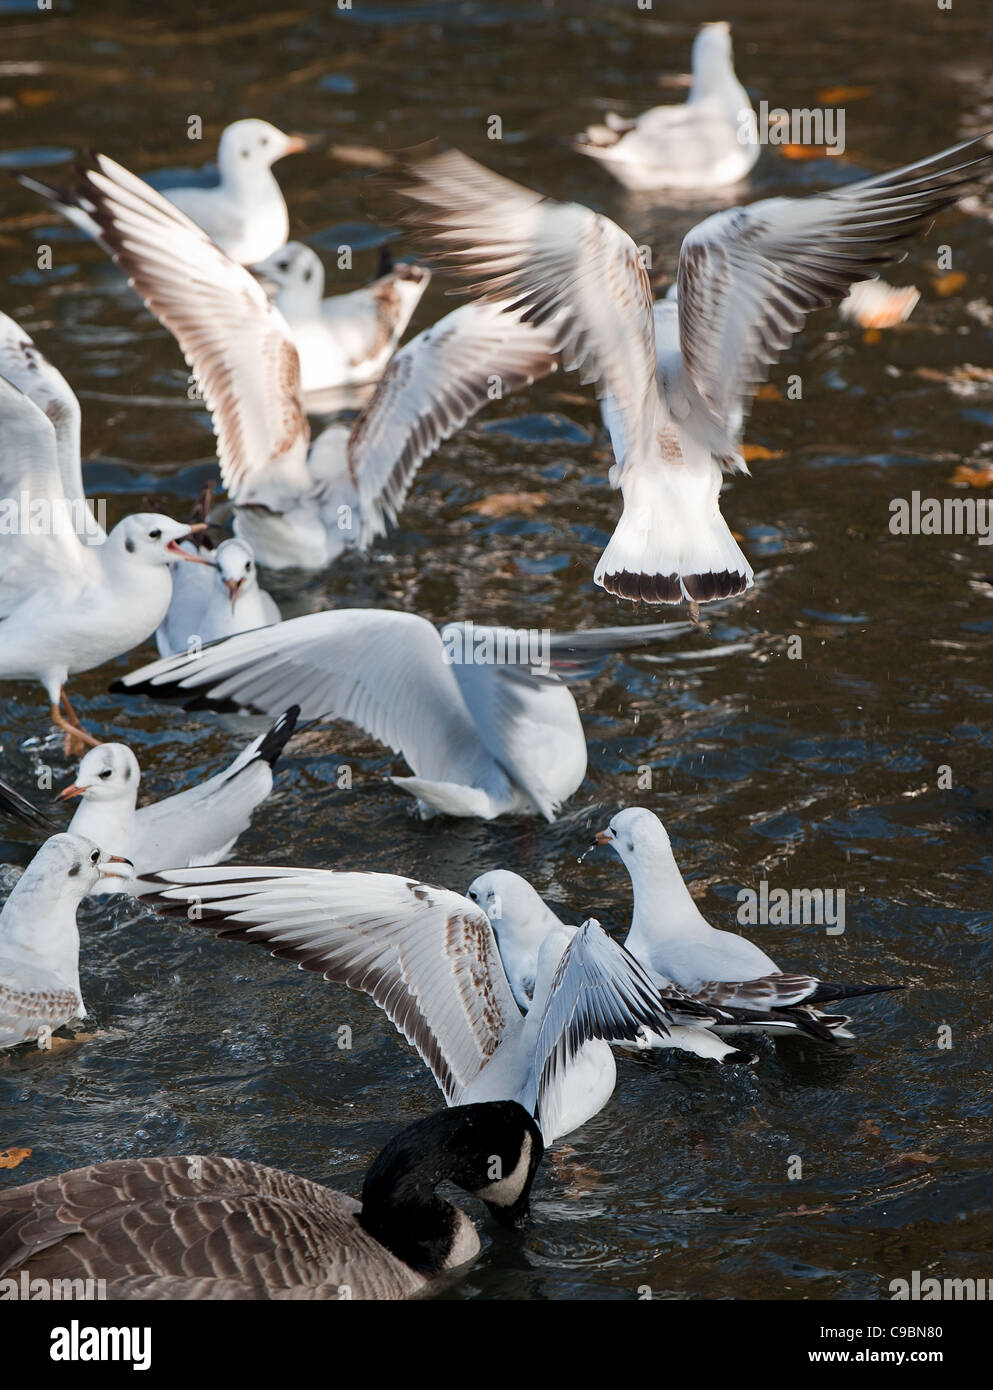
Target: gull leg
77, 740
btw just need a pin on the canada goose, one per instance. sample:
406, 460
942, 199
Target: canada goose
39, 939
225, 1228
674, 941
429, 959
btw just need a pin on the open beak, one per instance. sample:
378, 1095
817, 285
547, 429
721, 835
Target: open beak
233, 587
127, 872
603, 838
67, 793
174, 547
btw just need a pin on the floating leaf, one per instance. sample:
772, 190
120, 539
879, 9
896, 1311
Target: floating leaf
804, 151
35, 96
973, 475
10, 1158
768, 392
831, 96
948, 284
501, 504
751, 452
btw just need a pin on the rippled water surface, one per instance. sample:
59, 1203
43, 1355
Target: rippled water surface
822, 771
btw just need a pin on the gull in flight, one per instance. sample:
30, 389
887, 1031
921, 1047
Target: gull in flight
210, 604
347, 340
39, 939
428, 957
201, 1227
709, 142
482, 715
297, 506
245, 214
674, 941
678, 377
71, 596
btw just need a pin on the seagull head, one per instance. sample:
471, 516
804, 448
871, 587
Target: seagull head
146, 538
294, 271
636, 834
255, 144
521, 921
235, 561
66, 868
107, 773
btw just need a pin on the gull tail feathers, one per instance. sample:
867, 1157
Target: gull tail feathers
672, 543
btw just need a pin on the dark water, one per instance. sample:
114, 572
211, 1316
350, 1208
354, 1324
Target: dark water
819, 772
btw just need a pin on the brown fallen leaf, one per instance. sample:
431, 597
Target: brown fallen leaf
501, 504
948, 284
830, 96
35, 96
872, 335
973, 475
804, 151
10, 1158
867, 1128
751, 452
768, 392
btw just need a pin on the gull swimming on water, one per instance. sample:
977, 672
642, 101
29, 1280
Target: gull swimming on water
299, 506
709, 142
429, 959
71, 596
348, 339
245, 214
39, 939
673, 940
482, 715
199, 1227
679, 376
210, 604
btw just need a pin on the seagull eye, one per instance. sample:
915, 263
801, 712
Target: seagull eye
95, 857
155, 535
105, 774
264, 140
473, 896
308, 275
282, 265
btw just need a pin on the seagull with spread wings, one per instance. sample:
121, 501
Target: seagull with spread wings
428, 957
677, 377
300, 506
71, 596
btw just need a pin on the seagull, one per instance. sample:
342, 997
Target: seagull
195, 1227
208, 606
678, 376
482, 715
674, 941
301, 507
428, 957
709, 142
71, 596
39, 939
521, 921
197, 826
245, 214
347, 340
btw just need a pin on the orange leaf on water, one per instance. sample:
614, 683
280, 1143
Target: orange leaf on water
830, 96
501, 504
978, 475
948, 284
804, 151
751, 452
10, 1158
768, 392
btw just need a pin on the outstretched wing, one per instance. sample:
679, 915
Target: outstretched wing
425, 955
238, 344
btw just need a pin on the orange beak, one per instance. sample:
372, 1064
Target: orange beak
174, 547
68, 792
233, 587
117, 859
296, 144
602, 838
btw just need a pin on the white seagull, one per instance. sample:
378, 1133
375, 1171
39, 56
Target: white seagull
482, 715
428, 958
244, 214
197, 826
709, 142
674, 941
347, 340
679, 376
71, 596
522, 920
297, 506
39, 939
210, 604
